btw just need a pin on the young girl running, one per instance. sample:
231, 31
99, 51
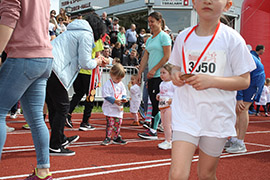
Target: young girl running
135, 99
165, 99
211, 61
114, 93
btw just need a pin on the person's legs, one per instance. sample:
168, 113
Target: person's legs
60, 102
258, 110
207, 166
210, 151
166, 117
153, 90
26, 80
182, 154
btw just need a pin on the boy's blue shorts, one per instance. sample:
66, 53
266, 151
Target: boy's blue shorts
248, 94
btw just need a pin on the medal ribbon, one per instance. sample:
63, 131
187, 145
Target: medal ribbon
203, 52
116, 97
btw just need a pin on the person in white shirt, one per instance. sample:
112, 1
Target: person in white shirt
165, 99
263, 101
211, 61
114, 94
268, 95
135, 99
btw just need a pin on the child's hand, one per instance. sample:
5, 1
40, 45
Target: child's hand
176, 78
129, 85
157, 97
118, 102
200, 81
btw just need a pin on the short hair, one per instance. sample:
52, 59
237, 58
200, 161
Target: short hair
168, 67
120, 28
118, 70
259, 47
267, 81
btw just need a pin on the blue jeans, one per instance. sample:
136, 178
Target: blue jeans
25, 80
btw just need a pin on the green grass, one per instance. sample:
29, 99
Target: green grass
79, 109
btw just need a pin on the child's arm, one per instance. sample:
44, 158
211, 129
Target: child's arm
203, 81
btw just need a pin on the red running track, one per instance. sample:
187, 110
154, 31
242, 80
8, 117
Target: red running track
139, 159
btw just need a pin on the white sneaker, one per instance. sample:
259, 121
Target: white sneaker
10, 129
228, 143
165, 145
237, 148
18, 111
13, 116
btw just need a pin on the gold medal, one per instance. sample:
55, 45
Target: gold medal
93, 92
92, 98
87, 98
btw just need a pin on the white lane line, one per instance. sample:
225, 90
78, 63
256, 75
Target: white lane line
128, 164
266, 121
258, 132
255, 144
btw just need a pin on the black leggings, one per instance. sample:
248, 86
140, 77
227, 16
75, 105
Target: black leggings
153, 90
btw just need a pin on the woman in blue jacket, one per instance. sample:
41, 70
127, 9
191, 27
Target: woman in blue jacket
72, 50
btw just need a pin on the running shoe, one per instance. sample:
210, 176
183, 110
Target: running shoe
236, 148
86, 127
165, 145
61, 152
106, 141
70, 140
148, 135
26, 126
119, 140
9, 129
34, 176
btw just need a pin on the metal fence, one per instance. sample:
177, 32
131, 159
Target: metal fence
130, 70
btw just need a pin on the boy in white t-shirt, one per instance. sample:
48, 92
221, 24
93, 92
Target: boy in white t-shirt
211, 61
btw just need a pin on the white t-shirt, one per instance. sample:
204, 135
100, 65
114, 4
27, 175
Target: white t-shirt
116, 91
209, 112
166, 91
135, 98
268, 95
263, 98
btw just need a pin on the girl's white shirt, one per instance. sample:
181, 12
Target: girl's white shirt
263, 98
119, 90
135, 98
166, 93
209, 112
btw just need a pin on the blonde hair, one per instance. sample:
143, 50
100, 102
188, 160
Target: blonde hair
118, 70
168, 67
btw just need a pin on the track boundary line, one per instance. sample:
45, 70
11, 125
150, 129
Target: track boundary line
128, 164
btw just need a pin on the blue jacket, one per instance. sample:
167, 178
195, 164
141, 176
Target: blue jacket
72, 50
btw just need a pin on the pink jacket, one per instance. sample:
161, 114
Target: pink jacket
30, 21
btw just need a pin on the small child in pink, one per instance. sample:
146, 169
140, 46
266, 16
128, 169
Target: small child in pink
165, 99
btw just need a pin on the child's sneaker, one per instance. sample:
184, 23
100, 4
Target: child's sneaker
135, 123
106, 141
165, 145
266, 115
119, 140
34, 176
146, 125
13, 116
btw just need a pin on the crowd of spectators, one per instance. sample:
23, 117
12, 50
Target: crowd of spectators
126, 45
